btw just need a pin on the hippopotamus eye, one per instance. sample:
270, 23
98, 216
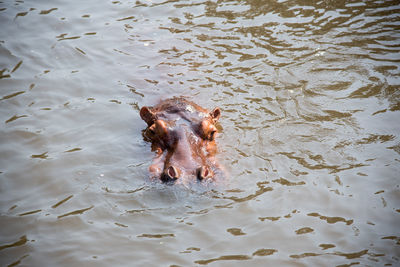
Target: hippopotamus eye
157, 130
212, 135
152, 129
207, 130
160, 128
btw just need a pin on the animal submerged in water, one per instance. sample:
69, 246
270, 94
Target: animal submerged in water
183, 136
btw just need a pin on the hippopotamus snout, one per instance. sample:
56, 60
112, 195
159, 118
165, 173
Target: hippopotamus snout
186, 155
183, 136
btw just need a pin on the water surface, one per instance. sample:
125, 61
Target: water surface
310, 100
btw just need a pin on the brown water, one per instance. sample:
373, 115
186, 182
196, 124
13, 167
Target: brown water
310, 99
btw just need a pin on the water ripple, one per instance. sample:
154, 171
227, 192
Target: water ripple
309, 131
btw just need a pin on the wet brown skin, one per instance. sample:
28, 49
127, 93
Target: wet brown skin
183, 136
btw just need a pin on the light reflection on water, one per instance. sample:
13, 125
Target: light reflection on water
309, 132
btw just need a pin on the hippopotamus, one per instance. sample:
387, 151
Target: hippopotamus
182, 135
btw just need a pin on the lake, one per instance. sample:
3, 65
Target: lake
309, 93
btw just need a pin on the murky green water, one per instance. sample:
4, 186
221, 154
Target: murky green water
310, 100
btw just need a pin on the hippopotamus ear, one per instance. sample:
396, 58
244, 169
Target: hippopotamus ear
215, 114
147, 115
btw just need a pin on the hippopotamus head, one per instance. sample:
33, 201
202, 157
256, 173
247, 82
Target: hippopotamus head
183, 136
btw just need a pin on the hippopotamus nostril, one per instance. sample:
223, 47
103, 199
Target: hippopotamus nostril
171, 173
203, 173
